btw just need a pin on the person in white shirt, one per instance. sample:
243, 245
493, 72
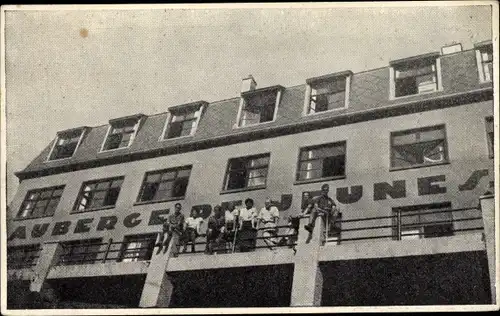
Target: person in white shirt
247, 224
268, 218
191, 230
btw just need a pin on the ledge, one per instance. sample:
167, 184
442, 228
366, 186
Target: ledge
138, 203
93, 209
419, 166
299, 182
243, 190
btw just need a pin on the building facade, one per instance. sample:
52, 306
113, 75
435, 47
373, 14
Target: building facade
407, 151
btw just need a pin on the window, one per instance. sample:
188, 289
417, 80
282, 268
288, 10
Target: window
415, 75
137, 248
484, 56
258, 106
121, 132
40, 202
247, 172
327, 92
183, 120
66, 144
80, 251
21, 257
490, 134
423, 221
165, 184
421, 147
324, 161
98, 194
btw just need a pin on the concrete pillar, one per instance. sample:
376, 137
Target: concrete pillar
48, 258
489, 219
158, 288
307, 284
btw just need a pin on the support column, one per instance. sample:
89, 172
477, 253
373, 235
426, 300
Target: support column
307, 284
158, 288
489, 219
48, 258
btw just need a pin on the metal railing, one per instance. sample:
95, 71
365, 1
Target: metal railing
24, 262
118, 251
229, 244
401, 227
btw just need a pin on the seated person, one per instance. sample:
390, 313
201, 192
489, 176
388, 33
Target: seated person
216, 229
322, 205
192, 230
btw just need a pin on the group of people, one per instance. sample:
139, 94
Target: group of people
239, 226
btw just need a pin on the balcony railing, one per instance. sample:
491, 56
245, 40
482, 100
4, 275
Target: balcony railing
232, 242
122, 251
22, 263
405, 225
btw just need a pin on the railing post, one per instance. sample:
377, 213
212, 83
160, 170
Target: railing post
108, 247
399, 224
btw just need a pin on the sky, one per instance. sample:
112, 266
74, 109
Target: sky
70, 68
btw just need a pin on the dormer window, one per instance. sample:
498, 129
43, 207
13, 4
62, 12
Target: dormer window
121, 132
484, 57
66, 143
259, 106
326, 93
415, 75
183, 120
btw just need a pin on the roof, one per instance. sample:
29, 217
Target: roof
369, 91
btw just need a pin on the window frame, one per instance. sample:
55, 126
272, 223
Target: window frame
346, 75
246, 188
445, 161
320, 179
393, 65
33, 249
138, 118
59, 135
480, 63
195, 106
143, 254
90, 182
277, 89
421, 208
161, 171
40, 190
490, 142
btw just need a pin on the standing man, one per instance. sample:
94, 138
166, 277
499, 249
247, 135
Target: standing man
268, 217
324, 205
173, 225
192, 230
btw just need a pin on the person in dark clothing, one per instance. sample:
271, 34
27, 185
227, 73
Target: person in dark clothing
323, 205
215, 230
172, 225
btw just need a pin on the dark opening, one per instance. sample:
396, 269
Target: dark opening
334, 166
99, 292
265, 286
453, 278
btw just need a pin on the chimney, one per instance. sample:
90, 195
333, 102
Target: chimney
450, 49
248, 84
